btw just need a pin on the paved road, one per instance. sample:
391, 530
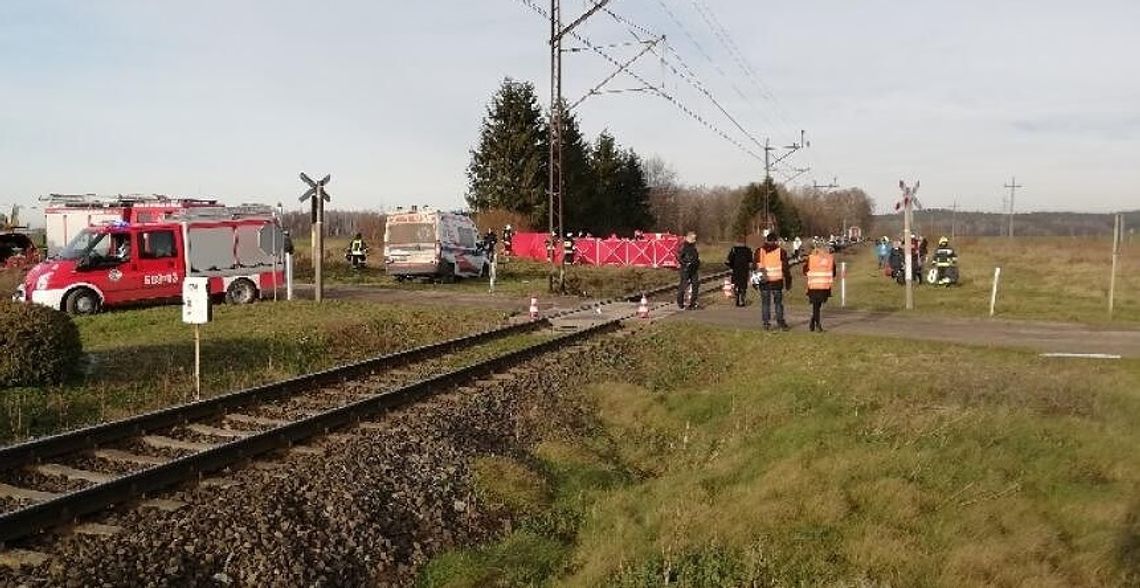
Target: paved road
1038, 336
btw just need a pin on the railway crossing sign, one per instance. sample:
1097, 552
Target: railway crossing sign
317, 195
907, 204
314, 189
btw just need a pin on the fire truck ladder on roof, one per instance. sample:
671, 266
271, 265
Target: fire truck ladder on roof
118, 200
244, 211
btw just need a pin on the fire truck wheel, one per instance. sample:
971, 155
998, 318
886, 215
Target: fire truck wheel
82, 301
241, 292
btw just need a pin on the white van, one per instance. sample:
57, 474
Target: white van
433, 244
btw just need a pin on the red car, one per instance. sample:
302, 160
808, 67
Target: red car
17, 251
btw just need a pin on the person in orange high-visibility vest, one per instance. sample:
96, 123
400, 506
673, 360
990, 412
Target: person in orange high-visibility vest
774, 278
820, 271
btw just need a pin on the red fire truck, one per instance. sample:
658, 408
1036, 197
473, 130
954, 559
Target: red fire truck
123, 263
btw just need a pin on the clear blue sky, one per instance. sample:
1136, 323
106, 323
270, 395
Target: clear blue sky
233, 98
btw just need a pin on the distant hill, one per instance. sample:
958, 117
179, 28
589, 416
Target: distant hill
981, 224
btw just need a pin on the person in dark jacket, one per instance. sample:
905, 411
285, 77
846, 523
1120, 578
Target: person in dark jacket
690, 263
740, 261
775, 277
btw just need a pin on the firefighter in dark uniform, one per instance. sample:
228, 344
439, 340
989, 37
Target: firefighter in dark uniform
568, 249
357, 251
288, 244
490, 241
508, 235
551, 242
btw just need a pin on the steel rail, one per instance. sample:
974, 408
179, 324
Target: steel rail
66, 508
35, 450
29, 452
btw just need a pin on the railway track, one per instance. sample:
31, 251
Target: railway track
54, 480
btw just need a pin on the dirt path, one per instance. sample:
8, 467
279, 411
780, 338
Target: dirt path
1044, 337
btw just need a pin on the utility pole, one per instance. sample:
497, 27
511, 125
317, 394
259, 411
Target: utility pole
770, 164
907, 205
555, 185
1117, 237
1013, 186
954, 221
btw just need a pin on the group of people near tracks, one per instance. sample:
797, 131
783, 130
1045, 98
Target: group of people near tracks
768, 270
941, 266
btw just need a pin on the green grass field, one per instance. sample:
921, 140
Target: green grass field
1055, 278
144, 359
734, 458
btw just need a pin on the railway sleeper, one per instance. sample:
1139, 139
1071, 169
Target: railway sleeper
70, 473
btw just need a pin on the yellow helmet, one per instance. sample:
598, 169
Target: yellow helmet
943, 241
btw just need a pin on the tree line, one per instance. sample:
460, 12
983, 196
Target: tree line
943, 221
604, 185
724, 213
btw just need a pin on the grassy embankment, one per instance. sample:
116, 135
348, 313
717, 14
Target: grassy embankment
727, 458
144, 359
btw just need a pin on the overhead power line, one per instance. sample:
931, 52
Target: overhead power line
596, 48
689, 78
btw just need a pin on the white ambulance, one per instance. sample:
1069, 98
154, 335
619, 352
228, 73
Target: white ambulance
426, 243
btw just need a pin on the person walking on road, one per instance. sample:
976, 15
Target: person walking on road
690, 263
740, 262
820, 272
775, 277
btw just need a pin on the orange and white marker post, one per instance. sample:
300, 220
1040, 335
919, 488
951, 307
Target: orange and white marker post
643, 308
534, 307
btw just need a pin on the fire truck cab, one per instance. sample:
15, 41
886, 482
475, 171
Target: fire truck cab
119, 263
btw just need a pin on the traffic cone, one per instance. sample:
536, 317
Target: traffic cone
643, 308
727, 288
534, 307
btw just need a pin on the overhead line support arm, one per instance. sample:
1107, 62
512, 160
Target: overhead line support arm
558, 36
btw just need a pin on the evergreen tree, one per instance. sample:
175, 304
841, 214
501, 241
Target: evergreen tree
599, 209
633, 202
577, 176
750, 215
508, 169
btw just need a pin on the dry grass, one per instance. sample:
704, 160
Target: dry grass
755, 459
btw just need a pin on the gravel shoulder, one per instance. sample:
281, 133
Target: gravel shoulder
361, 507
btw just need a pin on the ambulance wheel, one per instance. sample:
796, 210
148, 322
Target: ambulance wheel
241, 291
82, 301
449, 276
